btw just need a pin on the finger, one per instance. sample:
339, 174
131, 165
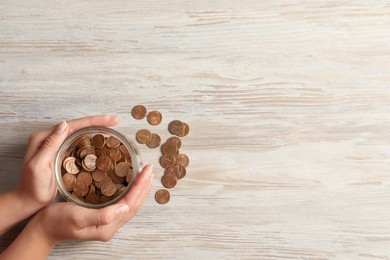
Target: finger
37, 139
98, 120
52, 143
139, 192
99, 217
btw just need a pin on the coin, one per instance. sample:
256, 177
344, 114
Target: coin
103, 163
167, 161
162, 196
175, 141
183, 160
154, 117
98, 175
169, 148
80, 189
89, 162
85, 177
154, 142
112, 142
180, 171
168, 181
143, 136
69, 181
138, 112
108, 188
175, 127
98, 141
70, 165
178, 128
122, 169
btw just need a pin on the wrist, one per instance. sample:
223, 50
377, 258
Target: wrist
30, 206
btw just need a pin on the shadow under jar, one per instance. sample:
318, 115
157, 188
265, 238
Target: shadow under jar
96, 167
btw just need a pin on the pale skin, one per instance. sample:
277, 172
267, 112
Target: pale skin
37, 189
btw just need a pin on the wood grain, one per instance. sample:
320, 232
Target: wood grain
288, 104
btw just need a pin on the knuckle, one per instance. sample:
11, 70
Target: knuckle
33, 136
104, 218
106, 236
50, 142
74, 221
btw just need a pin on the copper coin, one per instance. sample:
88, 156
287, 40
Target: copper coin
112, 142
143, 136
80, 189
170, 171
186, 130
180, 171
122, 169
103, 163
169, 148
85, 177
92, 198
86, 151
154, 142
183, 160
167, 161
138, 112
69, 181
168, 181
176, 127
70, 165
125, 153
116, 179
90, 162
162, 196
98, 141
98, 175
108, 188
173, 140
154, 117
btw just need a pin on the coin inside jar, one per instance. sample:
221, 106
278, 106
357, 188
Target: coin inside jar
96, 169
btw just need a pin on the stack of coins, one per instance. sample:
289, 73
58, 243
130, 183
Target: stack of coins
172, 161
98, 169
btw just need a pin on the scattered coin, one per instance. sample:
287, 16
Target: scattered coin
162, 196
183, 160
174, 162
169, 181
143, 136
154, 117
154, 141
178, 128
138, 112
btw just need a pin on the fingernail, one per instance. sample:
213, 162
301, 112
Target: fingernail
150, 169
122, 208
61, 127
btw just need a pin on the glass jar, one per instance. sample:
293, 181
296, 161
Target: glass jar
69, 143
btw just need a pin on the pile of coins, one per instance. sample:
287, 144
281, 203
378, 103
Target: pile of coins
172, 161
98, 169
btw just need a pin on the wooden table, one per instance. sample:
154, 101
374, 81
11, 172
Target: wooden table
288, 105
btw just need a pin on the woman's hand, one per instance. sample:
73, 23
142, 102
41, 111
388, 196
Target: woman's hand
37, 187
67, 221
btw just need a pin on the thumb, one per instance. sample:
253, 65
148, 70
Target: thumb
100, 217
53, 142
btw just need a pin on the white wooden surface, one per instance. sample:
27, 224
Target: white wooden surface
288, 104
